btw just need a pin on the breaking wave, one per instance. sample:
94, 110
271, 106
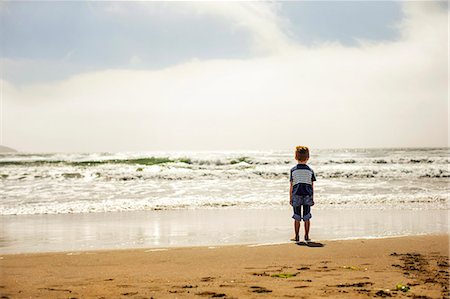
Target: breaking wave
34, 183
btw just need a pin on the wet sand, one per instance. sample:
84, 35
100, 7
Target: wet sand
333, 269
203, 227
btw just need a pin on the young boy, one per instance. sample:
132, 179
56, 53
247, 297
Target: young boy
301, 191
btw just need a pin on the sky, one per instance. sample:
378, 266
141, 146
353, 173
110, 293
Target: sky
149, 76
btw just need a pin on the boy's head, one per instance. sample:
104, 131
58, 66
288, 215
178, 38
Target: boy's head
301, 153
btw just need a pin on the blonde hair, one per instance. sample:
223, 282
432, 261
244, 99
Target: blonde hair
301, 153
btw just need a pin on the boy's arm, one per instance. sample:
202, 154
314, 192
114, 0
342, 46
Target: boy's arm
290, 194
312, 186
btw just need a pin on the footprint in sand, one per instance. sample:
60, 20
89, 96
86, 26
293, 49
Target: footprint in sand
211, 294
284, 275
129, 293
55, 289
188, 286
226, 285
171, 291
260, 274
356, 284
258, 289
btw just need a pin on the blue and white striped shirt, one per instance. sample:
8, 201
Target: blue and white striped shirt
302, 177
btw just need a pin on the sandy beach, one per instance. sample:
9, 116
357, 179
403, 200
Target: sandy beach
334, 269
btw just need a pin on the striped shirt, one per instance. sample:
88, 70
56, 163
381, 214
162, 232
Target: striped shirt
302, 177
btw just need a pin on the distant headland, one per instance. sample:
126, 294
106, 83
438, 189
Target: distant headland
5, 149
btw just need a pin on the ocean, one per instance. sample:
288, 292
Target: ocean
72, 183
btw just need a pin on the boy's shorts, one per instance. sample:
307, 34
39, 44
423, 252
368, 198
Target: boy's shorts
302, 203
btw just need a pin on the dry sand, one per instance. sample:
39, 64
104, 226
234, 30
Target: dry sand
333, 269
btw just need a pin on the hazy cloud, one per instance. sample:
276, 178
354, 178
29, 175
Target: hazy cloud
330, 95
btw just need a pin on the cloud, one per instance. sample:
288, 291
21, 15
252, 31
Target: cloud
102, 35
260, 19
267, 28
375, 95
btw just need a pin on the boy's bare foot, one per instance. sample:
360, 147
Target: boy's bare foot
307, 239
296, 239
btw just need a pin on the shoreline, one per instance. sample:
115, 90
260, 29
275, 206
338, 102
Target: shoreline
203, 227
215, 246
328, 269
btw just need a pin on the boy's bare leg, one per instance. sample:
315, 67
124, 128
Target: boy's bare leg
297, 229
307, 225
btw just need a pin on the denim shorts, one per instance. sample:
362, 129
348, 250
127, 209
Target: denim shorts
302, 207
